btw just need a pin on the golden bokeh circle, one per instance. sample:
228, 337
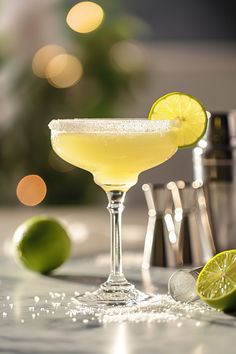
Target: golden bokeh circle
64, 70
43, 57
85, 17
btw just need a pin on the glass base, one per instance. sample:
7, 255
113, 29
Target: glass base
117, 296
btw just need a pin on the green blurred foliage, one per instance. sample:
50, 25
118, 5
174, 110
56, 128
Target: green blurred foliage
25, 146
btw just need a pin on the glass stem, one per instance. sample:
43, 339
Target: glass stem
115, 208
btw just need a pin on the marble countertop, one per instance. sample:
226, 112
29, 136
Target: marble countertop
35, 314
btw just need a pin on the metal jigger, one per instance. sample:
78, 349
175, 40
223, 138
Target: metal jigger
178, 229
163, 246
181, 285
155, 253
195, 229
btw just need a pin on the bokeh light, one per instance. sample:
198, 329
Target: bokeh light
43, 57
127, 56
31, 190
64, 70
85, 17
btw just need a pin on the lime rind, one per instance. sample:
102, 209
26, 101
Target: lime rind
181, 104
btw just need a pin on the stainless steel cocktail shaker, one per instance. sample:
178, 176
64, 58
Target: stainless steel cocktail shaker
214, 161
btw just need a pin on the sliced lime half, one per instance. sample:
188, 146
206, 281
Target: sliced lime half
216, 284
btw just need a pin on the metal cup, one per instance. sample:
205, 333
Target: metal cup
178, 229
181, 285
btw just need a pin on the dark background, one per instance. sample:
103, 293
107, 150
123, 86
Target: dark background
183, 20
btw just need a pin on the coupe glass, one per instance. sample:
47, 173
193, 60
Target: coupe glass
115, 151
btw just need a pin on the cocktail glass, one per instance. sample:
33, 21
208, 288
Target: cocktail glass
115, 151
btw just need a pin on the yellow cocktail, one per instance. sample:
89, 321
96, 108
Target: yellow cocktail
114, 151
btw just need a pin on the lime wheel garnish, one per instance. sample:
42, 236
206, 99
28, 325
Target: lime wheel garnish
185, 108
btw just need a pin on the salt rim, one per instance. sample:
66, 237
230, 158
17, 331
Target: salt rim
115, 125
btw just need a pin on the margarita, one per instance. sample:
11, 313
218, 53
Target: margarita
114, 151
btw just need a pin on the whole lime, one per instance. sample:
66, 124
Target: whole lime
41, 244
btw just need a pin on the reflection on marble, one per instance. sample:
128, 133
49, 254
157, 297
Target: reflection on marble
34, 317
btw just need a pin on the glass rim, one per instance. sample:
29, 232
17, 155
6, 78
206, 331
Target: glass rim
111, 124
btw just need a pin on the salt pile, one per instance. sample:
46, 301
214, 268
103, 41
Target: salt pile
160, 308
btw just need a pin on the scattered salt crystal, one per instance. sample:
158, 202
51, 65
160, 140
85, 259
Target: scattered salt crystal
72, 312
51, 294
36, 299
55, 305
161, 308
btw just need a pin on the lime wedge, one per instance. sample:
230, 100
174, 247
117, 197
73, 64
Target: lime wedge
216, 284
188, 110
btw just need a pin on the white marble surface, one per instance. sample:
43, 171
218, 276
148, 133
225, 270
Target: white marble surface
23, 331
23, 295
